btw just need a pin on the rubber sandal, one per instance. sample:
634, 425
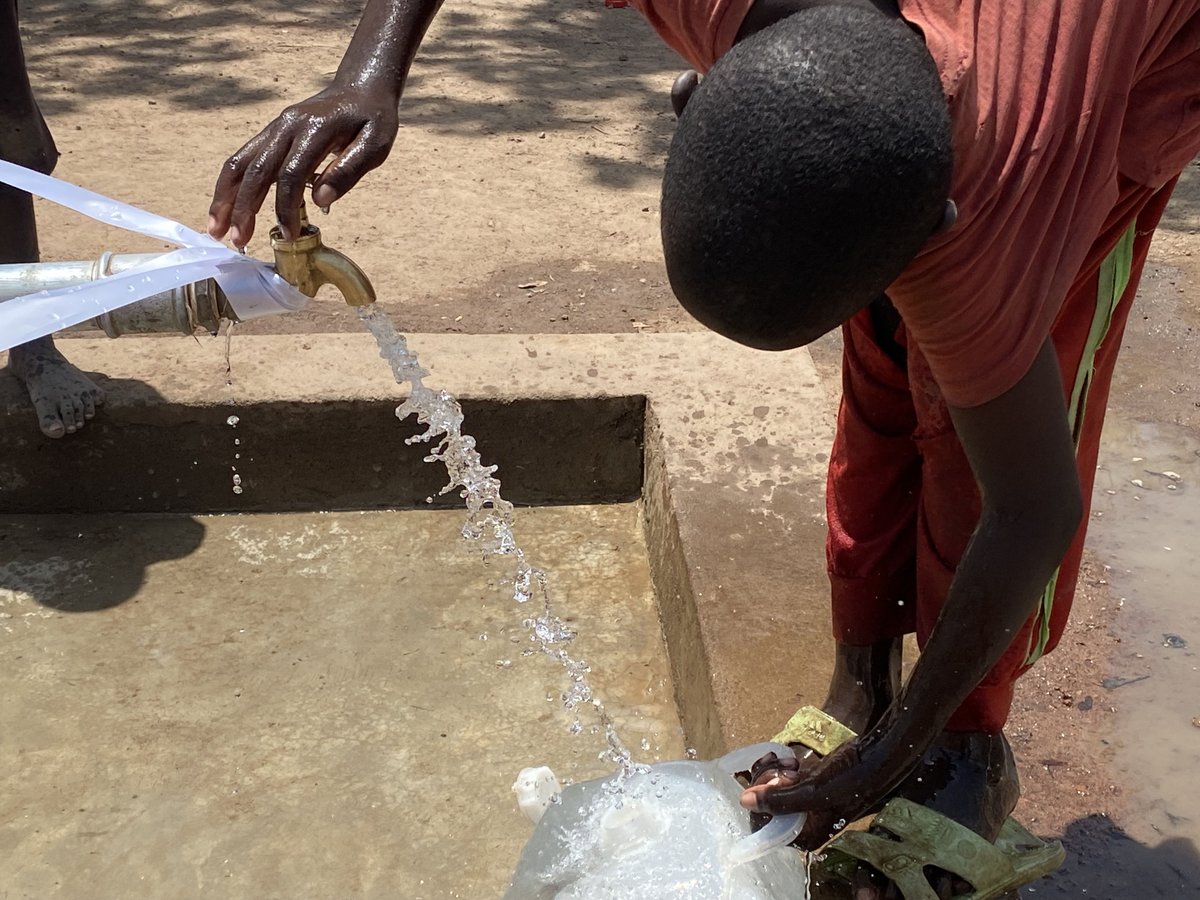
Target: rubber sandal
815, 729
916, 837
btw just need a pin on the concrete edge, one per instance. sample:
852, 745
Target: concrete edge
683, 634
736, 444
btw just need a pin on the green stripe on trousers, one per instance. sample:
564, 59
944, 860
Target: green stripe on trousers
1114, 279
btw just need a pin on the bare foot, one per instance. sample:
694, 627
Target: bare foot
864, 683
63, 397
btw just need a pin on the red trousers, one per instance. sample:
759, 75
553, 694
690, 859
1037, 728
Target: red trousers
902, 500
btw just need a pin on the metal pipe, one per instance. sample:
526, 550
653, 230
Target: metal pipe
305, 262
180, 310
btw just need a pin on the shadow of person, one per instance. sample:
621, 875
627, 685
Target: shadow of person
85, 563
1104, 861
65, 540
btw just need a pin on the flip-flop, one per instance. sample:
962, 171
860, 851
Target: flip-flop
816, 730
905, 837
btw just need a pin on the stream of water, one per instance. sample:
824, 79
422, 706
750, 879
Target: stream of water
489, 522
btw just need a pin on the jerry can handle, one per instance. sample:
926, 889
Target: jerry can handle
781, 830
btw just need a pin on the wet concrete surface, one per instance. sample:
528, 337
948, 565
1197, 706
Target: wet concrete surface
1152, 543
1145, 530
301, 704
735, 447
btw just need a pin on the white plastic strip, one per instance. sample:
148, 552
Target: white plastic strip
251, 286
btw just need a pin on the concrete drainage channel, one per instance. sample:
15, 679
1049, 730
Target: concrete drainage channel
159, 457
325, 693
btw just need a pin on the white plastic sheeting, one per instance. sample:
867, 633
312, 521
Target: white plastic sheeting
251, 286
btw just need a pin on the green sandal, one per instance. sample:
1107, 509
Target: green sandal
916, 837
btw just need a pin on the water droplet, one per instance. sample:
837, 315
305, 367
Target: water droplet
237, 488
232, 421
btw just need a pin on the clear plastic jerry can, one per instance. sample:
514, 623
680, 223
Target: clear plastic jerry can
671, 831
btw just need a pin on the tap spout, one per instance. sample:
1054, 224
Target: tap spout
308, 264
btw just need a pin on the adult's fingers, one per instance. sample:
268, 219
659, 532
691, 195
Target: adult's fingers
366, 152
229, 181
257, 179
302, 161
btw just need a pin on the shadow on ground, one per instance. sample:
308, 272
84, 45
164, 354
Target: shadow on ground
1104, 861
86, 563
545, 68
139, 48
74, 562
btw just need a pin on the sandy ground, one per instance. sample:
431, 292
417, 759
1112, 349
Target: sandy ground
522, 196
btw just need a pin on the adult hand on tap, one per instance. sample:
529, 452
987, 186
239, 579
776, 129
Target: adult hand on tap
354, 120
352, 125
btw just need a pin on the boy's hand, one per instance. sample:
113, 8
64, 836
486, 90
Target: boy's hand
356, 125
851, 782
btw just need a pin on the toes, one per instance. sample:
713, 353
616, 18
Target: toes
52, 426
947, 885
63, 396
69, 412
49, 420
867, 884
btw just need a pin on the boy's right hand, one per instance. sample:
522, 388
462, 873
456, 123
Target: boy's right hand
355, 125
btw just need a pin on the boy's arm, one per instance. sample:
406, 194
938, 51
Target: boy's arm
1021, 450
354, 119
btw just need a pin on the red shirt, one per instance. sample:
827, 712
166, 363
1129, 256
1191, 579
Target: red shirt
1063, 111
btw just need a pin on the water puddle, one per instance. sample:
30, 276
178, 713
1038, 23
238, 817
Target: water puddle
1146, 527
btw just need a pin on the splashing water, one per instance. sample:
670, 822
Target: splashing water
490, 520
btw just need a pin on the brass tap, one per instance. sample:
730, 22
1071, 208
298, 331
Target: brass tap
307, 263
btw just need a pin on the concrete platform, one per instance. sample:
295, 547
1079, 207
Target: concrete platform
299, 704
724, 449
